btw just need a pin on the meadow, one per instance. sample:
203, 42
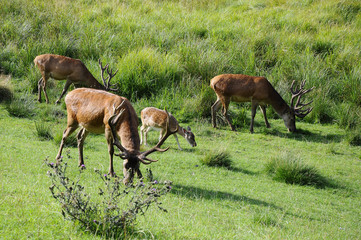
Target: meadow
166, 53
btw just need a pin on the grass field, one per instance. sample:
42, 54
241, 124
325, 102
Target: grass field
241, 202
166, 53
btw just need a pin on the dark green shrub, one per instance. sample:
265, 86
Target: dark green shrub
5, 94
217, 159
289, 169
354, 137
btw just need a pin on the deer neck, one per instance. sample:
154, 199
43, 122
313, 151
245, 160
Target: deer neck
279, 105
181, 131
128, 133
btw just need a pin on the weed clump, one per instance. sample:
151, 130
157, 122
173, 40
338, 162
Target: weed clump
217, 159
291, 170
43, 131
113, 211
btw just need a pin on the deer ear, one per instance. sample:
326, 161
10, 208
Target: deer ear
189, 128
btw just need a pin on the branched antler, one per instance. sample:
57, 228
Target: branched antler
106, 81
298, 93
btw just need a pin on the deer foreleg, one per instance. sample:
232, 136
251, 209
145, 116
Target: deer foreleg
109, 137
263, 110
176, 138
81, 138
65, 89
69, 130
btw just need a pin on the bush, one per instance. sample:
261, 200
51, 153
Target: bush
21, 106
217, 159
289, 169
5, 94
354, 137
114, 212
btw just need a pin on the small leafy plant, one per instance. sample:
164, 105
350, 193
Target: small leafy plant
111, 212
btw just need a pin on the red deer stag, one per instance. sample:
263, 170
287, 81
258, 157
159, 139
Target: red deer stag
98, 111
258, 91
69, 69
157, 119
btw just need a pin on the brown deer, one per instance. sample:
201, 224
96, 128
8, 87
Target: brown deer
260, 92
98, 111
69, 69
154, 118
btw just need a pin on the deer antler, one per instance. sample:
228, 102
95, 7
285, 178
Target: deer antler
113, 120
143, 155
106, 80
298, 93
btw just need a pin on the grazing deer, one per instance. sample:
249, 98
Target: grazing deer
69, 69
98, 111
154, 118
258, 91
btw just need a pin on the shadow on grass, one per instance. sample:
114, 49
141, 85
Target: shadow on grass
199, 193
303, 135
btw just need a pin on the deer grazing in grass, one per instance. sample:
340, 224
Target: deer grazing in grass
154, 118
98, 111
69, 69
260, 92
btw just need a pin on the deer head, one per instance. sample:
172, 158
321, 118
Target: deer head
132, 160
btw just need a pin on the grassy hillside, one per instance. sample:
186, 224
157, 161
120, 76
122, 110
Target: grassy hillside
176, 47
166, 53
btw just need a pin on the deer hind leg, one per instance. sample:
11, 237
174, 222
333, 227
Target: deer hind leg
214, 109
225, 112
81, 138
69, 130
253, 109
143, 133
263, 110
65, 89
42, 85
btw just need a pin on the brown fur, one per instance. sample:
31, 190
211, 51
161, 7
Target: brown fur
156, 118
244, 88
63, 68
91, 109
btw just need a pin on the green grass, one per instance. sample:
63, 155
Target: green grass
241, 202
166, 53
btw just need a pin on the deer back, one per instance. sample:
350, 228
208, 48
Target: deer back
60, 67
157, 118
92, 108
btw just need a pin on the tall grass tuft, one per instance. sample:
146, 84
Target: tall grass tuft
219, 158
43, 131
290, 169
